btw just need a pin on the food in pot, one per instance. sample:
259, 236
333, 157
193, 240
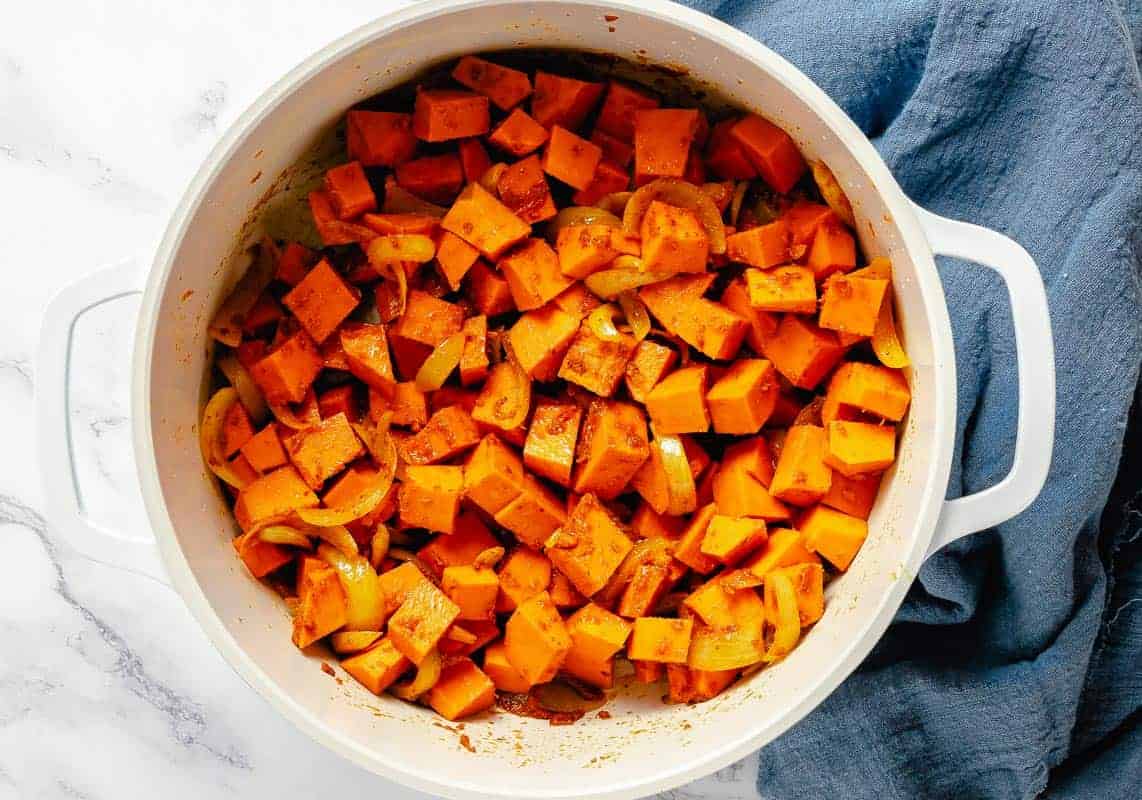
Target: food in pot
573, 378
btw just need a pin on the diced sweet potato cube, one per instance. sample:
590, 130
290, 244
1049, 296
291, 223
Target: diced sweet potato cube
870, 388
677, 404
741, 401
474, 360
648, 671
379, 138
619, 152
272, 498
532, 273
396, 583
322, 301
349, 190
489, 291
537, 640
497, 667
540, 339
718, 605
688, 550
236, 429
378, 667
608, 178
596, 363
428, 320
504, 86
449, 431
834, 535
612, 446
851, 305
648, 524
764, 246
497, 403
481, 220
366, 349
662, 140
725, 156
470, 538
348, 488
709, 327
322, 450
804, 218
265, 312
651, 481
293, 262
803, 352
584, 249
400, 224
589, 547
617, 114
562, 101
493, 476
673, 239
789, 288
408, 405
854, 496
577, 301
332, 230
771, 150
649, 364
533, 515
739, 493
596, 635
570, 158
421, 621
472, 590
802, 477
665, 641
752, 455
697, 685
809, 583
762, 324
465, 638
474, 159
322, 606
264, 449
784, 548
339, 400
285, 374
855, 448
563, 592
261, 558
646, 588
523, 574
833, 250
434, 178
430, 497
551, 437
523, 189
443, 114
729, 539
518, 134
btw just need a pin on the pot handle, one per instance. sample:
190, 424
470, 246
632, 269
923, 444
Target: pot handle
1035, 355
64, 508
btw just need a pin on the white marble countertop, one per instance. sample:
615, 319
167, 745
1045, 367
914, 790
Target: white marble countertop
107, 687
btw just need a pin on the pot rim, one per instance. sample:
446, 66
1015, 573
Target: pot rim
932, 487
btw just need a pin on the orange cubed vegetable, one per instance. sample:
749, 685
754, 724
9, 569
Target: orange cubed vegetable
429, 497
293, 263
725, 157
261, 558
771, 150
856, 448
570, 158
379, 138
662, 640
265, 312
809, 583
584, 249
472, 590
648, 671
523, 189
443, 114
803, 352
596, 635
785, 547
563, 592
869, 388
852, 305
532, 273
597, 363
396, 583
802, 477
696, 685
285, 374
662, 139
474, 159
764, 246
378, 667
534, 514
332, 230
752, 455
322, 301
470, 538
339, 400
833, 250
449, 431
519, 134
688, 550
493, 475
551, 437
272, 498
497, 667
804, 218
562, 101
480, 219
617, 114
651, 480
498, 400
619, 152
730, 539
322, 450
540, 339
647, 586
761, 324
366, 348
833, 534
650, 524
264, 449
474, 359
577, 301
349, 190
719, 605
523, 574
649, 363
408, 405
739, 493
608, 178
673, 240
428, 320
612, 446
236, 429
401, 224
709, 327
488, 291
434, 178
741, 401
677, 404
589, 547
322, 605
421, 621
504, 86
791, 289
536, 639
854, 496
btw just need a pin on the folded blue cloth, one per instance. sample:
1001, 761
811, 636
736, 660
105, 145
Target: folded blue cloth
1014, 669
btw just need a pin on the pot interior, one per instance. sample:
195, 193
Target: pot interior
645, 744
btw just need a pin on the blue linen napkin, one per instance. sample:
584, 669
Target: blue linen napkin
1014, 669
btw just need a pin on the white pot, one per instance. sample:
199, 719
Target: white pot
645, 746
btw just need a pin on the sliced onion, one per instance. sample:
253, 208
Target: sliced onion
615, 202
401, 554
636, 313
781, 600
399, 200
601, 322
679, 479
736, 202
427, 674
656, 550
346, 642
486, 559
610, 283
397, 248
832, 192
307, 413
379, 547
885, 341
580, 215
440, 363
725, 648
810, 414
462, 635
681, 194
248, 391
285, 535
365, 601
339, 537
366, 501
210, 436
226, 326
490, 180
